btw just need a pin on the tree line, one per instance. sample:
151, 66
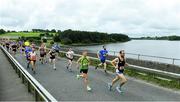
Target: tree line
86, 37
171, 38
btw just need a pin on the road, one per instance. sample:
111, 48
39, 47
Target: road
64, 86
11, 87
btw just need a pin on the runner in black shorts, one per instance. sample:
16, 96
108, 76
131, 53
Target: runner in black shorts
52, 58
7, 45
42, 52
84, 63
14, 47
119, 63
69, 56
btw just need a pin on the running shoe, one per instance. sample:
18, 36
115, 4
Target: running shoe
96, 67
105, 71
109, 86
70, 70
27, 66
88, 88
54, 68
119, 89
78, 76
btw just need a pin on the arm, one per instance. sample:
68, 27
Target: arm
126, 64
97, 54
89, 61
49, 52
66, 54
113, 62
78, 60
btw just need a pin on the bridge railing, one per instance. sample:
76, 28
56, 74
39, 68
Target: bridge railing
40, 93
142, 69
168, 60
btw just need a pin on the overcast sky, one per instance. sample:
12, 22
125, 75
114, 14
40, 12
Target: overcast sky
133, 17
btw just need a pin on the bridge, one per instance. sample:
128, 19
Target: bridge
64, 86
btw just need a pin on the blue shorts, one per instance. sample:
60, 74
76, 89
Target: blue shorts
103, 60
118, 71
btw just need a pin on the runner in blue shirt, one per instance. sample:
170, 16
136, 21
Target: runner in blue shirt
28, 49
102, 54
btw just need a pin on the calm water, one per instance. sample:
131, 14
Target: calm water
161, 48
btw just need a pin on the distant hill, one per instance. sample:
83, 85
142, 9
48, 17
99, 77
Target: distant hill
171, 38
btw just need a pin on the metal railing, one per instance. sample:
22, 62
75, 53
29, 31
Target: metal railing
142, 69
40, 93
140, 57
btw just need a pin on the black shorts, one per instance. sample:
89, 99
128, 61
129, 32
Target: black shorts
14, 50
70, 59
84, 71
57, 51
52, 57
28, 59
103, 61
42, 55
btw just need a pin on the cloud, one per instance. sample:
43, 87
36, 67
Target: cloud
133, 17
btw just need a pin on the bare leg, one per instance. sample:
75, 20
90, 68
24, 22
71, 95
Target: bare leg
115, 80
123, 79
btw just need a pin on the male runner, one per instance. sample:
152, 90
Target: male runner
102, 54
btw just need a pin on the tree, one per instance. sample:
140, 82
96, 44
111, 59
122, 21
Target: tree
2, 31
53, 31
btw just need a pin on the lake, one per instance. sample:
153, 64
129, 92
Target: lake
162, 48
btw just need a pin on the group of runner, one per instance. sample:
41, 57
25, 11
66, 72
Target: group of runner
83, 62
29, 50
118, 63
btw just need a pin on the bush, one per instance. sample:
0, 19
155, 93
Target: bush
56, 38
44, 40
66, 41
52, 42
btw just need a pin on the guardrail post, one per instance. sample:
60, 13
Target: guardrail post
173, 61
36, 95
138, 56
28, 85
19, 73
114, 53
22, 78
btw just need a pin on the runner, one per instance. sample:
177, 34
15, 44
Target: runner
28, 49
84, 63
22, 49
102, 54
42, 51
33, 57
52, 57
14, 48
56, 47
69, 56
3, 43
119, 63
33, 46
7, 45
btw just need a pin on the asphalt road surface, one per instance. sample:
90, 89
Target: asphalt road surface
64, 86
11, 87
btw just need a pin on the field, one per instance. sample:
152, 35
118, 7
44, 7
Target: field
19, 34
